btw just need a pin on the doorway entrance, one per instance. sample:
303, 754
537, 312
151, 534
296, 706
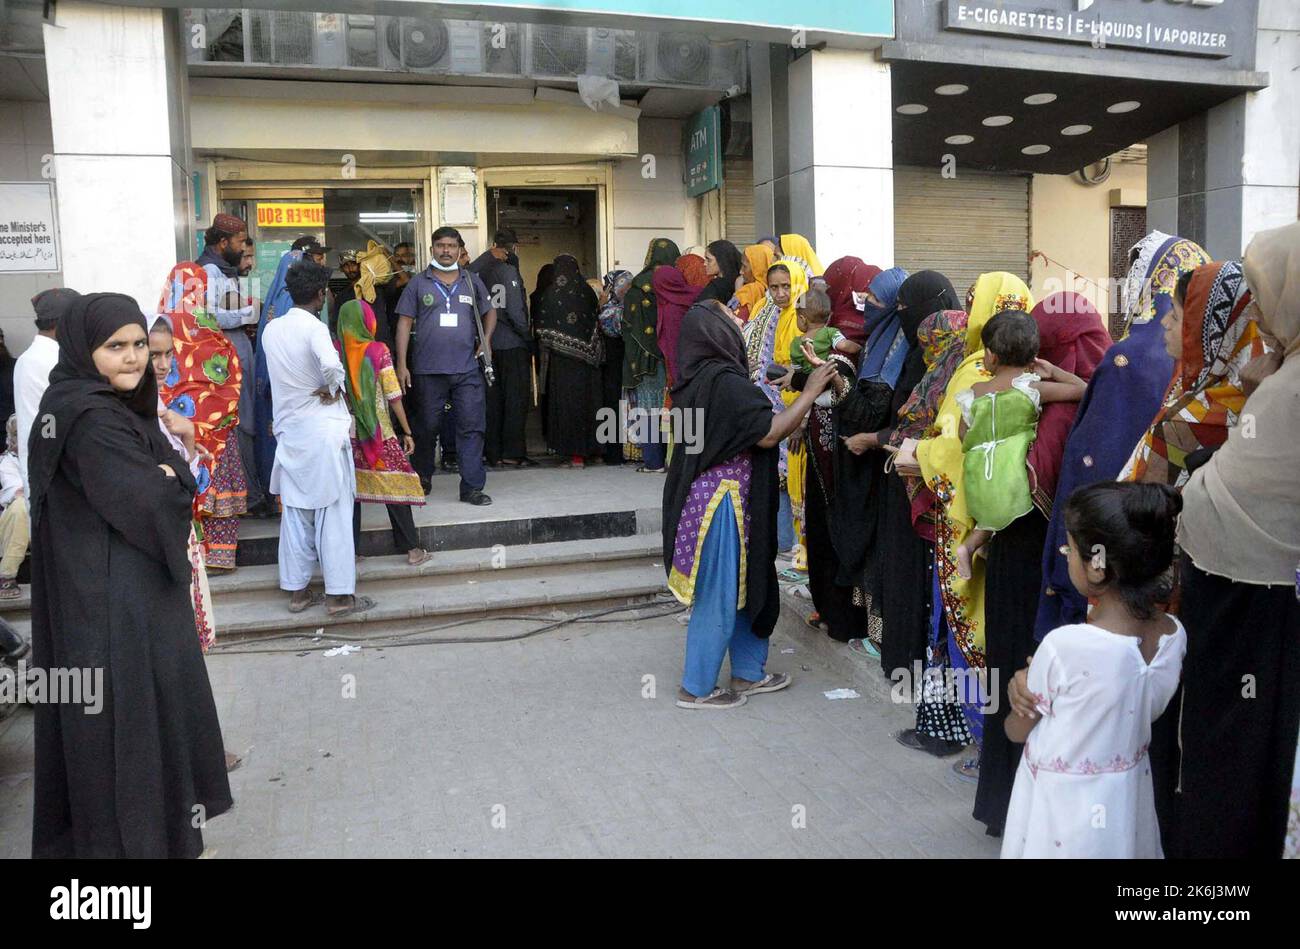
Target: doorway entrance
548, 222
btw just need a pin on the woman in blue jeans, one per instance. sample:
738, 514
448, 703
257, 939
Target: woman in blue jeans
720, 510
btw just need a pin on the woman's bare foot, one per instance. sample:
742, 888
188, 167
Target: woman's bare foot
417, 556
963, 562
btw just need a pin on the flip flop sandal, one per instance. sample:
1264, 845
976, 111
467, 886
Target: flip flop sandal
316, 599
968, 769
801, 591
9, 590
422, 561
772, 682
644, 470
359, 605
814, 621
791, 575
864, 647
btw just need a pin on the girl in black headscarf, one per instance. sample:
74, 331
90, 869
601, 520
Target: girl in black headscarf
571, 349
723, 263
111, 506
720, 502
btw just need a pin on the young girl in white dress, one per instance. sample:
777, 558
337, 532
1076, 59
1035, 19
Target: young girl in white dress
1085, 705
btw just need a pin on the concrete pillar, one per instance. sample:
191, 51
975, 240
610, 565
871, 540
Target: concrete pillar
118, 112
1222, 176
841, 155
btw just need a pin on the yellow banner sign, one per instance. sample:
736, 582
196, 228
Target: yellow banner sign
281, 214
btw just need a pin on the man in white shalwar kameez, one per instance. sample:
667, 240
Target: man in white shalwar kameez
313, 471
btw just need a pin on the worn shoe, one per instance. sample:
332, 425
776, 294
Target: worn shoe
718, 698
477, 498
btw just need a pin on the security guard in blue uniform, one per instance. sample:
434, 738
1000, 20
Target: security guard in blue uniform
443, 366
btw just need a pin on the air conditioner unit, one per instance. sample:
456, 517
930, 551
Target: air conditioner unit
214, 36
284, 39
362, 41
688, 59
559, 51
503, 53
430, 44
538, 210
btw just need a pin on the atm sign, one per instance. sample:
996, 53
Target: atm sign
278, 214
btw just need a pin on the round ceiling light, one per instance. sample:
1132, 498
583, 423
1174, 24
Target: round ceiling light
1035, 149
951, 89
1119, 108
1040, 98
1076, 130
959, 139
994, 121
912, 108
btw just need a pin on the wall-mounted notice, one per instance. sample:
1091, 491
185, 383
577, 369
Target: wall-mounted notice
29, 228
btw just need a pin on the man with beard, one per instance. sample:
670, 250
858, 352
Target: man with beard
223, 258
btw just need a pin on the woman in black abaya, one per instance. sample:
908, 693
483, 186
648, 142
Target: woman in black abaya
571, 351
111, 506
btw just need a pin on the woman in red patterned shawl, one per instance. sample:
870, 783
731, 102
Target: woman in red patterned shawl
203, 386
846, 279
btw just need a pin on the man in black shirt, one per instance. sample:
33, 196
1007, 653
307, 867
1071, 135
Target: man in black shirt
509, 400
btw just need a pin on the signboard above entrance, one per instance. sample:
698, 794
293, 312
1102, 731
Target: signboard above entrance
1198, 28
282, 214
704, 152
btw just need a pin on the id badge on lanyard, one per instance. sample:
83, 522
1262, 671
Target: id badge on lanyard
448, 318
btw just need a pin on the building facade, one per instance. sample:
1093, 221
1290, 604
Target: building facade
963, 135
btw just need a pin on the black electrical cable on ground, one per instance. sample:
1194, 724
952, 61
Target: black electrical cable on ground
394, 640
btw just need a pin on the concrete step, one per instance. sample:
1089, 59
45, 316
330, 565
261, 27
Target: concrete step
407, 605
249, 604
371, 569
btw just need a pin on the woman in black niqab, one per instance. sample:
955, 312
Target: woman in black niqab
111, 596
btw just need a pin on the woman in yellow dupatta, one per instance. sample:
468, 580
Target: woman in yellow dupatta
940, 460
796, 460
796, 249
758, 257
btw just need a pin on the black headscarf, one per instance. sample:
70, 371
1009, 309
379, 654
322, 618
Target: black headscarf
77, 387
730, 260
545, 277
733, 415
565, 319
922, 294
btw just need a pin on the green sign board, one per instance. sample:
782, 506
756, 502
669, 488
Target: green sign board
704, 152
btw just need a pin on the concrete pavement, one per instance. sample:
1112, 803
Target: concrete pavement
553, 746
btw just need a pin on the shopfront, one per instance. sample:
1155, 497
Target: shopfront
932, 132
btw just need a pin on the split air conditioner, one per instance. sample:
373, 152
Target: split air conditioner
688, 59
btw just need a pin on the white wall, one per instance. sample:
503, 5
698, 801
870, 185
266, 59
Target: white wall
25, 141
646, 208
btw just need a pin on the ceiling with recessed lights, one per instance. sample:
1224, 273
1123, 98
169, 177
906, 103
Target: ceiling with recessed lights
1022, 120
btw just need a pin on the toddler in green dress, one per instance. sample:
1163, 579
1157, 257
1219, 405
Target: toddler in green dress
999, 424
812, 313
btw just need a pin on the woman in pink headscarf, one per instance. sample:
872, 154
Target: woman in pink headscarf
675, 295
847, 280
